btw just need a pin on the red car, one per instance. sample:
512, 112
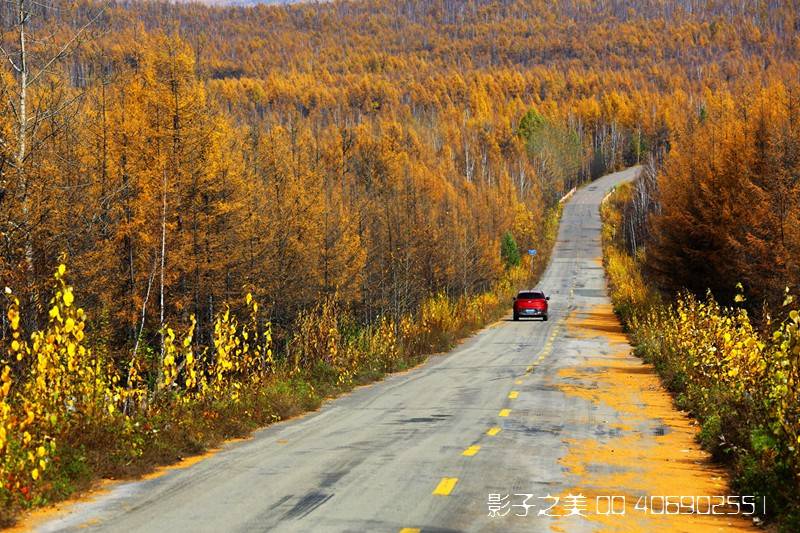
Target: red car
530, 303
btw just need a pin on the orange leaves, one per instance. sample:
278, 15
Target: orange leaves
740, 382
292, 154
727, 205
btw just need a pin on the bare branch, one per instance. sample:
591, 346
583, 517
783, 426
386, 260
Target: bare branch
45, 6
38, 142
63, 50
10, 59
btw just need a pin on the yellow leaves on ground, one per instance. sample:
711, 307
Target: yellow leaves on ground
728, 366
742, 384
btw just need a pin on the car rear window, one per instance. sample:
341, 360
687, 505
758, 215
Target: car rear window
530, 295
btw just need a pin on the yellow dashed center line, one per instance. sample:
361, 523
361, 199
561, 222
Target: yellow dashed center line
410, 530
445, 486
548, 347
472, 450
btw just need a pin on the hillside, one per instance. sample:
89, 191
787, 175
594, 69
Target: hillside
326, 183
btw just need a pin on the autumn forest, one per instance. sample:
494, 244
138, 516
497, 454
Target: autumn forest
199, 199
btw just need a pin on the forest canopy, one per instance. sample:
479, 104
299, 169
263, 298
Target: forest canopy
376, 150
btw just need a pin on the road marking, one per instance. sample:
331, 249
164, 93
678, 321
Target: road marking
410, 530
513, 394
546, 349
493, 431
504, 412
518, 382
472, 450
445, 486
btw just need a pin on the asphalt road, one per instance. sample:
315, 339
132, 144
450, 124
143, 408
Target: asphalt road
418, 450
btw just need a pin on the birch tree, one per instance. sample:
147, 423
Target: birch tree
35, 97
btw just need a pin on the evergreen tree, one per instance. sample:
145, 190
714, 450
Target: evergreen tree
509, 251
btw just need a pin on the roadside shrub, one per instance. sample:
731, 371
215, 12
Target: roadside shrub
69, 413
742, 385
